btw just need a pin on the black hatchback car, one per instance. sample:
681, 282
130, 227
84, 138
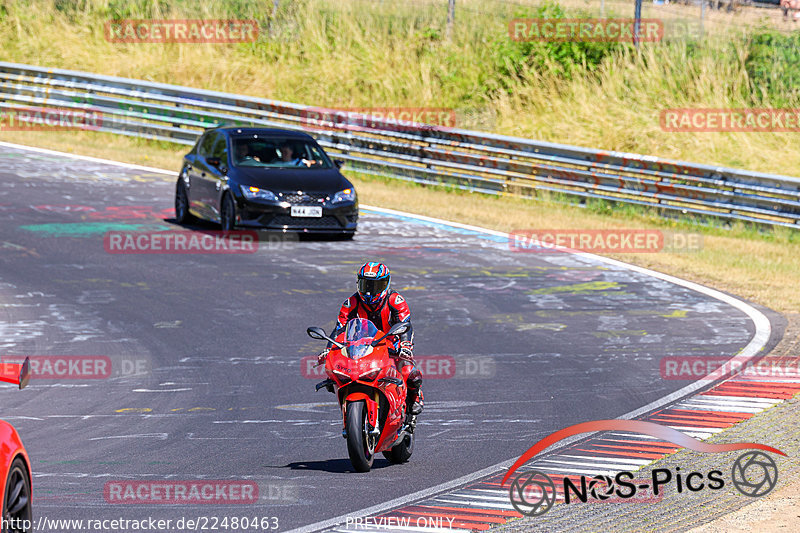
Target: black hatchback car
265, 179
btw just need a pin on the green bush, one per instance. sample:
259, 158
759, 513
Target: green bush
515, 59
773, 65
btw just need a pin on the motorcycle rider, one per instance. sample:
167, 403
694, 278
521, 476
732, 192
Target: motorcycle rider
384, 307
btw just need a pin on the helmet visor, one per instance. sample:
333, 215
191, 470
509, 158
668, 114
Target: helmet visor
372, 287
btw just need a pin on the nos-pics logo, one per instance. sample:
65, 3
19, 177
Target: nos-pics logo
533, 493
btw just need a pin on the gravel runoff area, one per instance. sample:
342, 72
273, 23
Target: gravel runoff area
706, 511
780, 510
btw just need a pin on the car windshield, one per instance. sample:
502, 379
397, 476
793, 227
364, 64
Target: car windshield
358, 336
276, 152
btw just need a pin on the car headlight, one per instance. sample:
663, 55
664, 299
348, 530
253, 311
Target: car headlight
347, 195
254, 193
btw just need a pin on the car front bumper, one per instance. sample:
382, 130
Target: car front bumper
341, 218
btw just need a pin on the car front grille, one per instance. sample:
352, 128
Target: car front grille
306, 222
304, 199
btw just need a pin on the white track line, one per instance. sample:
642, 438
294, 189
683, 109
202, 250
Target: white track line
88, 158
629, 462
619, 466
756, 344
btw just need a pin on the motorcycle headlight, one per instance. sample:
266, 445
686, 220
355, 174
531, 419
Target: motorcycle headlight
254, 193
344, 378
347, 195
371, 375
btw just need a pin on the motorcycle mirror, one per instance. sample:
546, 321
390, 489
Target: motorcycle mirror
25, 373
316, 333
397, 329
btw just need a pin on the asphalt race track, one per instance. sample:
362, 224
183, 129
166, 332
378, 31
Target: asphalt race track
206, 349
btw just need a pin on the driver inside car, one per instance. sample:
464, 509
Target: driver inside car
287, 156
383, 307
243, 153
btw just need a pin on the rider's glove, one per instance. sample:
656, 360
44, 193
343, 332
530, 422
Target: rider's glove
406, 351
321, 357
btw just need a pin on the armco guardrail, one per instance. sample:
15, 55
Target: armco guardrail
475, 161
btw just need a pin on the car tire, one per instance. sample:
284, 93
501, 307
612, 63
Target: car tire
17, 500
182, 214
227, 213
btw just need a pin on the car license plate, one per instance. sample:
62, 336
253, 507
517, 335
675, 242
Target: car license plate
307, 211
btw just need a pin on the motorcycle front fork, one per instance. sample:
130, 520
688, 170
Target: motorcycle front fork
376, 431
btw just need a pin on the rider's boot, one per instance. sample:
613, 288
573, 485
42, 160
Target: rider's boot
415, 399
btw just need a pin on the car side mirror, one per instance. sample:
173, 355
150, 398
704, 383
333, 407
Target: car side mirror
213, 161
339, 163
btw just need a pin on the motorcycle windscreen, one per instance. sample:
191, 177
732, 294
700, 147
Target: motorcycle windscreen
359, 334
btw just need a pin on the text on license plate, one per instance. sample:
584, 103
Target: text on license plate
306, 211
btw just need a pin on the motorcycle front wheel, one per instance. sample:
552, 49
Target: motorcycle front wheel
360, 446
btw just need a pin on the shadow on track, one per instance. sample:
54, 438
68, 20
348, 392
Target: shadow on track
270, 236
334, 466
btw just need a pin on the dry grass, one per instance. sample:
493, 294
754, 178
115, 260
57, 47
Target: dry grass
363, 53
761, 268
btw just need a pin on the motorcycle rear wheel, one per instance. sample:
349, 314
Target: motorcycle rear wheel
358, 441
401, 452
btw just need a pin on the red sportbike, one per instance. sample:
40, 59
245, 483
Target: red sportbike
371, 392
